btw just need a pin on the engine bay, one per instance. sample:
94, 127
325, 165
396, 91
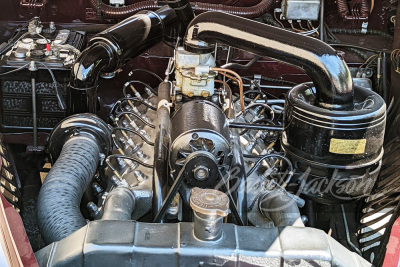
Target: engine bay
177, 133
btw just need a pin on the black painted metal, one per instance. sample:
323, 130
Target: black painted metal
334, 175
254, 126
184, 14
162, 140
239, 179
119, 204
84, 124
130, 243
232, 202
199, 114
115, 46
171, 194
328, 71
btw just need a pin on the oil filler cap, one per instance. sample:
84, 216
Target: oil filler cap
209, 202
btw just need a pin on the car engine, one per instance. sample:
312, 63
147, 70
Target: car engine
162, 140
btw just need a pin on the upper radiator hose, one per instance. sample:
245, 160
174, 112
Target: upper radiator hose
81, 140
330, 74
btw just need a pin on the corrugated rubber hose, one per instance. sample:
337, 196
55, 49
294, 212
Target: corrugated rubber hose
59, 200
123, 12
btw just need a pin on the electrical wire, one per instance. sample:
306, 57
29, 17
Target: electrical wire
55, 83
294, 28
108, 161
395, 58
312, 27
146, 71
277, 20
15, 70
57, 89
260, 160
259, 121
255, 105
131, 131
253, 82
10, 42
136, 116
301, 25
138, 82
268, 79
134, 99
366, 64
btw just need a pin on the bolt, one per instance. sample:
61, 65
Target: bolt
97, 188
92, 209
140, 176
205, 94
190, 94
32, 66
304, 219
201, 172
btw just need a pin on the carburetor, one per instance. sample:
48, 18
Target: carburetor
193, 75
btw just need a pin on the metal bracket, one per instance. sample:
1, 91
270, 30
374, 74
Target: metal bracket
364, 27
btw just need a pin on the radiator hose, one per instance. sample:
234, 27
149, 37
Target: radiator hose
77, 143
281, 209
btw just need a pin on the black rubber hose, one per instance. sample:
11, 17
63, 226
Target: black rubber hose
361, 32
241, 66
123, 12
281, 209
119, 205
59, 199
247, 12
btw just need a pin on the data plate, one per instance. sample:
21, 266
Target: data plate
347, 146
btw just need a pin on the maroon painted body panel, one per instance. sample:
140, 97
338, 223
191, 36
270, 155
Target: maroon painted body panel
19, 235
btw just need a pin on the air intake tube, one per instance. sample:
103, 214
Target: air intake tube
115, 46
328, 71
75, 145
